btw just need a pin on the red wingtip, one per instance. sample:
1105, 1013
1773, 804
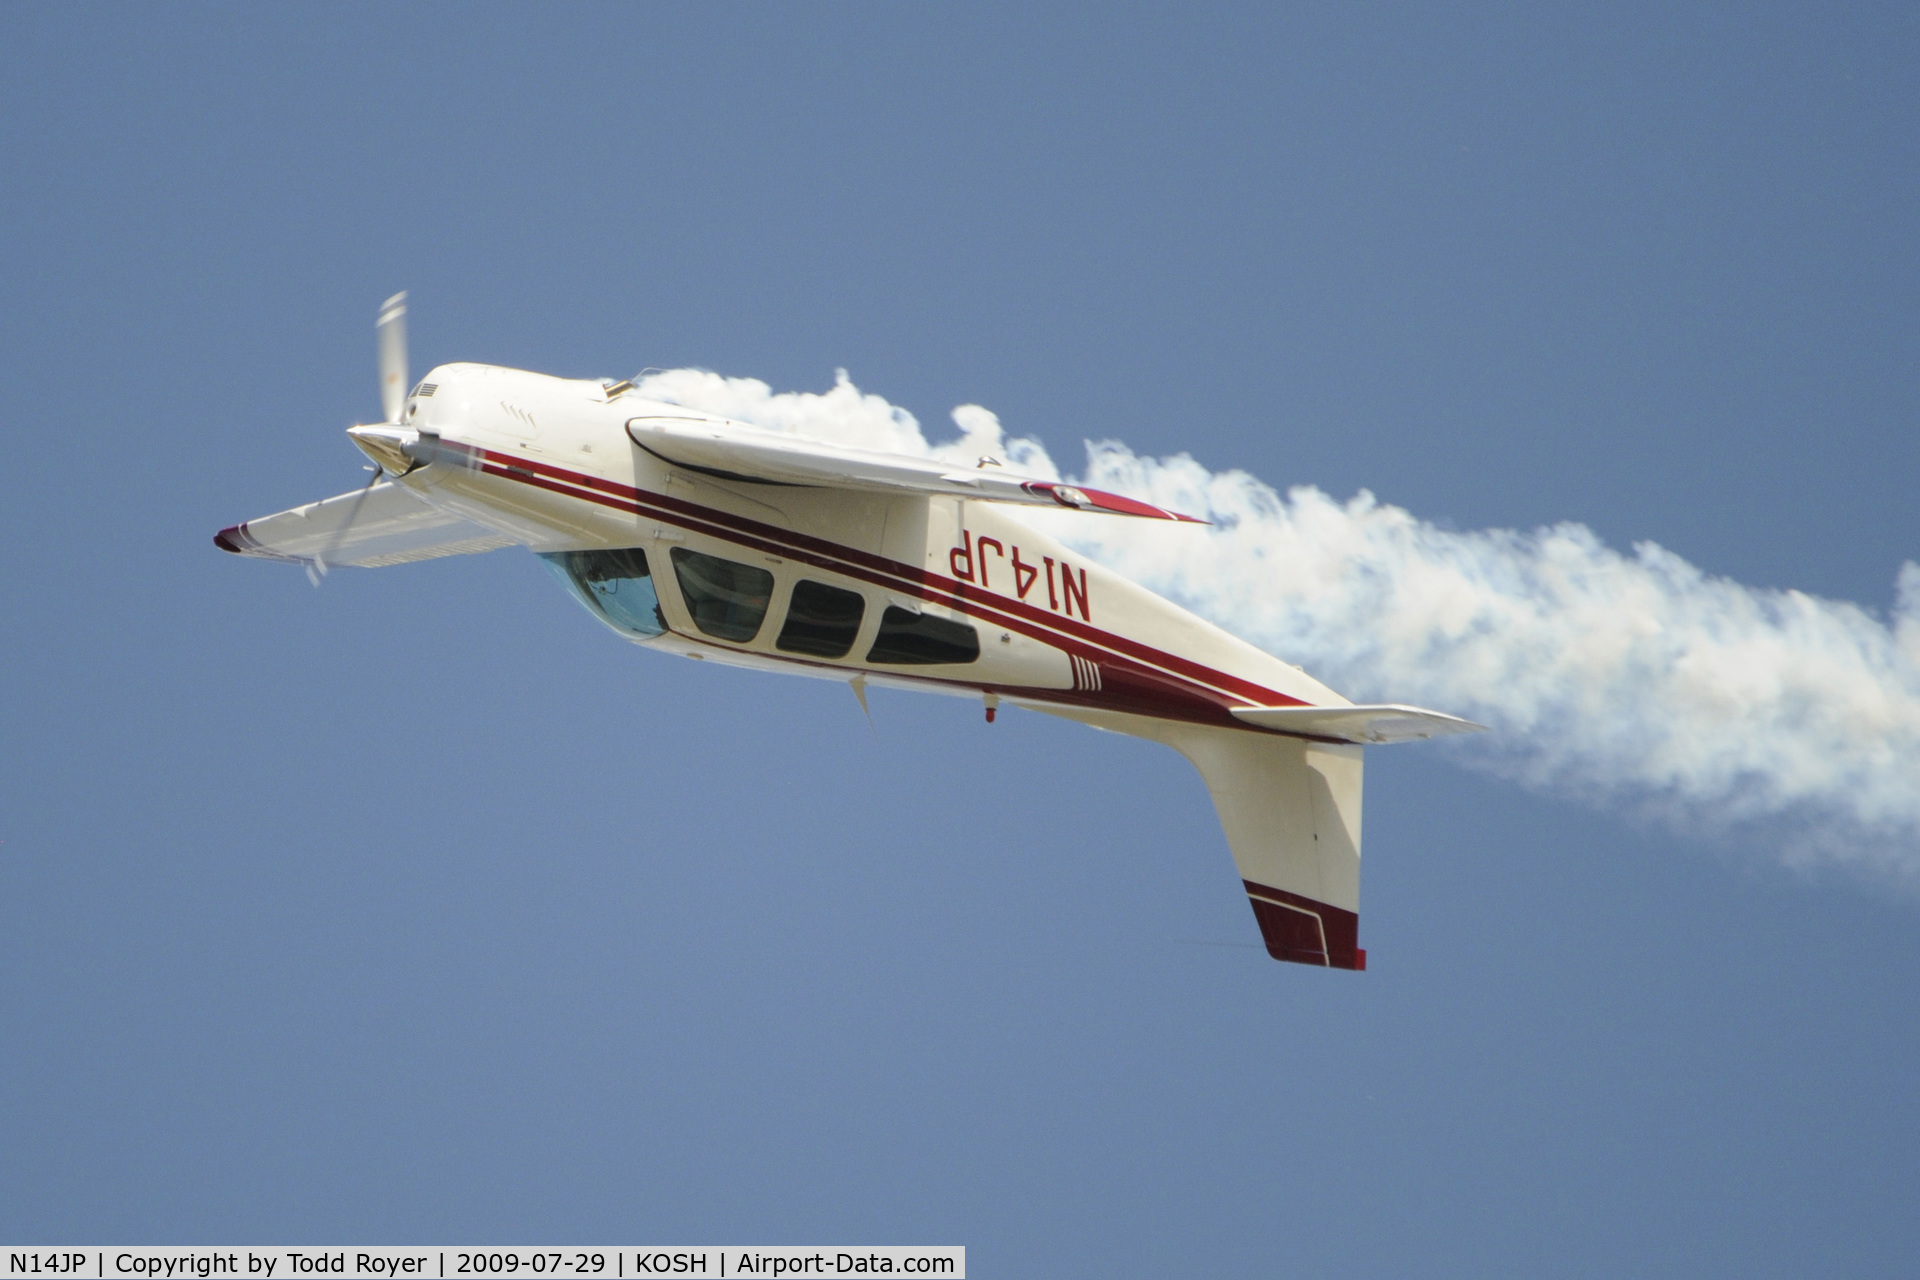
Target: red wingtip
1080, 499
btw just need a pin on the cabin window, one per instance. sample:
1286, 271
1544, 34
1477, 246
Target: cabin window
821, 620
922, 639
615, 586
727, 600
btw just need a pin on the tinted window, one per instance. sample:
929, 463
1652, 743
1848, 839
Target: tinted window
922, 638
822, 620
727, 600
615, 585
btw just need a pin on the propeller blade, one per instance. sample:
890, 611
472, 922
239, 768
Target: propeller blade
317, 567
392, 331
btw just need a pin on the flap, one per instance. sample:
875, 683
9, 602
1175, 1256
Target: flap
734, 452
1380, 722
369, 528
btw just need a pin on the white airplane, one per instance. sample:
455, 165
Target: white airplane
710, 539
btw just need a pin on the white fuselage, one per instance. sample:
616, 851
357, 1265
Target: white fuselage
549, 463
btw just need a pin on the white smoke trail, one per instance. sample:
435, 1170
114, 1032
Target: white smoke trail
1622, 679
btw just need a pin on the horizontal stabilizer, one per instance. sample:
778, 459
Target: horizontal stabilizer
1383, 722
369, 528
734, 452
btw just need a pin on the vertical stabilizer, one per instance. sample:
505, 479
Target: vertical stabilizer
1291, 810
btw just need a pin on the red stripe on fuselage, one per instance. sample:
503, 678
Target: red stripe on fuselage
1069, 634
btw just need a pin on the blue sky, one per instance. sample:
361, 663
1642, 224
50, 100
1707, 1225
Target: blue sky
420, 907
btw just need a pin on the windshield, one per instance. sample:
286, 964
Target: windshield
616, 587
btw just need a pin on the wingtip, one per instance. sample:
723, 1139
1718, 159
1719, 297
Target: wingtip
237, 539
1080, 498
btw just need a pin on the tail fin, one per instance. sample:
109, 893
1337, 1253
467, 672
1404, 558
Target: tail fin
1291, 810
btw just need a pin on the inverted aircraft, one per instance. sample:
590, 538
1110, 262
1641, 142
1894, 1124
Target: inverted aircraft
702, 537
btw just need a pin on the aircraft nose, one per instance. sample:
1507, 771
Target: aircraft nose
398, 450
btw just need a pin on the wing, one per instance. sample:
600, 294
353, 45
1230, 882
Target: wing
369, 528
1384, 722
733, 452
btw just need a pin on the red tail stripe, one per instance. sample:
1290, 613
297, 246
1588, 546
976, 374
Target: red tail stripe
1281, 913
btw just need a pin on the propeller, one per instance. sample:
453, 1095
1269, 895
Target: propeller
392, 331
317, 567
385, 442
